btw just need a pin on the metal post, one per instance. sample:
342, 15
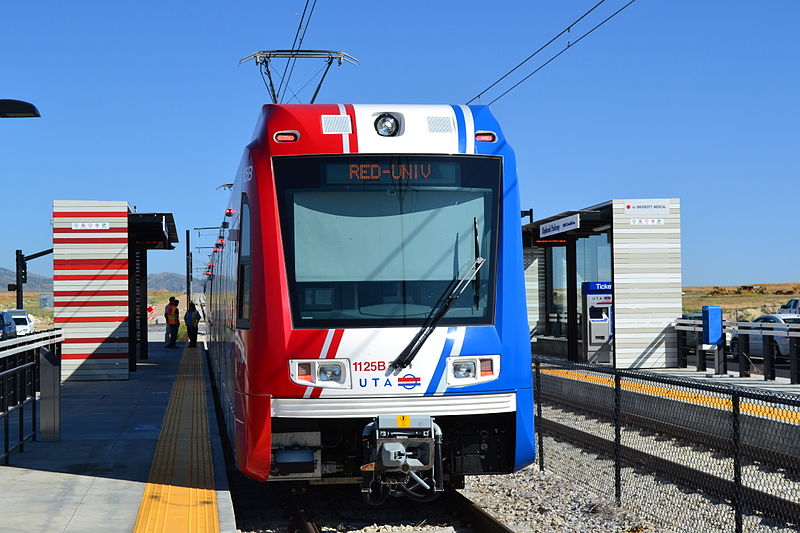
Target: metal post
188, 270
701, 358
768, 344
794, 365
50, 387
737, 463
20, 277
617, 441
5, 420
744, 351
537, 390
572, 300
19, 378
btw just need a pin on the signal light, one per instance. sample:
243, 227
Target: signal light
229, 212
286, 136
217, 249
485, 136
208, 272
220, 241
487, 368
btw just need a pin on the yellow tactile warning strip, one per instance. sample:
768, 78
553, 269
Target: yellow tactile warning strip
180, 496
776, 413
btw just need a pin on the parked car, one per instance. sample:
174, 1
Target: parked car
8, 329
23, 320
792, 307
756, 338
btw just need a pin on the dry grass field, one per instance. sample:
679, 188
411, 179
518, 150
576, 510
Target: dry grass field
739, 306
44, 317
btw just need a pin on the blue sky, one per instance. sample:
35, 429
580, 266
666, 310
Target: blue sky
143, 101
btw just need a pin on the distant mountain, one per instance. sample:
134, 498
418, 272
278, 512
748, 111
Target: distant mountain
168, 281
164, 281
35, 283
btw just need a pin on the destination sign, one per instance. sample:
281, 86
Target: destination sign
410, 171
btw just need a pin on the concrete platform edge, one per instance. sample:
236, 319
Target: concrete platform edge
227, 519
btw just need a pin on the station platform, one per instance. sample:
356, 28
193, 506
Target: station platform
780, 384
138, 455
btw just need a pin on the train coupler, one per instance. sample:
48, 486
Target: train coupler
403, 457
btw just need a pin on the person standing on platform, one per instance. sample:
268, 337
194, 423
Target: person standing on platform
173, 322
192, 321
167, 310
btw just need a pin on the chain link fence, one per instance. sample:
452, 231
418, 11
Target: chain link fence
695, 455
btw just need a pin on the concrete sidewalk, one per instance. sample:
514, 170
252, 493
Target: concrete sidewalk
94, 478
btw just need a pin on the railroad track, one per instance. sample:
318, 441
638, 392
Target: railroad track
709, 483
460, 509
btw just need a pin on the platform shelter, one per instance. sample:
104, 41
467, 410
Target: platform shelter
100, 284
632, 248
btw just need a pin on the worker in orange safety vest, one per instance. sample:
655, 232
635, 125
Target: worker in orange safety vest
173, 316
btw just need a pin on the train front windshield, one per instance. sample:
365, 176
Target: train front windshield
376, 241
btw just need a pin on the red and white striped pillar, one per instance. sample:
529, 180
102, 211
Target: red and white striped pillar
90, 287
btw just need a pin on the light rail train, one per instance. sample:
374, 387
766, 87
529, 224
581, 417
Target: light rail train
367, 307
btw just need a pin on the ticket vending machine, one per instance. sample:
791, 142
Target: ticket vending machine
598, 319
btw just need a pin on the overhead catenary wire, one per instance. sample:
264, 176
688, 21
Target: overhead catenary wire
545, 45
299, 45
294, 43
569, 45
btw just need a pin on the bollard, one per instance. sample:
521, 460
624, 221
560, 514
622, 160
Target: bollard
744, 351
50, 387
768, 349
701, 358
794, 364
682, 349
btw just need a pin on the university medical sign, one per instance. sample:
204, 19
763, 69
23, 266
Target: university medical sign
560, 226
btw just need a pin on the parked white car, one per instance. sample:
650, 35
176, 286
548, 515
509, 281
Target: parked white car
23, 320
756, 338
792, 307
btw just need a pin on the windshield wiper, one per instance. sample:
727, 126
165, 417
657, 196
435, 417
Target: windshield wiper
447, 299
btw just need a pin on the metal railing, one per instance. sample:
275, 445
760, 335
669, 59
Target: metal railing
690, 331
28, 365
695, 455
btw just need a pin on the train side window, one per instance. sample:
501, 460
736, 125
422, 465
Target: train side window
245, 276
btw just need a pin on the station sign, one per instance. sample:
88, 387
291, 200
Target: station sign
645, 207
90, 225
596, 287
560, 226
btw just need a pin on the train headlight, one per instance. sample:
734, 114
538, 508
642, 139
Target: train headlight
471, 369
387, 125
320, 372
464, 370
330, 372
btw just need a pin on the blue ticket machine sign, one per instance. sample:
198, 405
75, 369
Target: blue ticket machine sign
598, 319
712, 324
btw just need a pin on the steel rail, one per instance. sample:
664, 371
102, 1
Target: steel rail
477, 518
300, 519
